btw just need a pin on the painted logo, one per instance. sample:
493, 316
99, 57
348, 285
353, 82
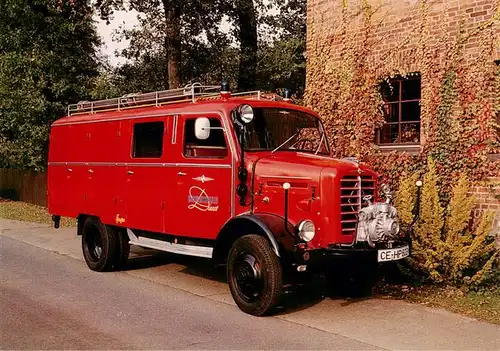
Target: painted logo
199, 200
203, 179
119, 220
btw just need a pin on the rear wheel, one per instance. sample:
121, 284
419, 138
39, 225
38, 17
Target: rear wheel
98, 245
254, 275
122, 248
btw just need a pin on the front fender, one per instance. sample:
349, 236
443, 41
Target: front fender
268, 225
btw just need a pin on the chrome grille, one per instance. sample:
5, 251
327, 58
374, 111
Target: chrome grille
352, 190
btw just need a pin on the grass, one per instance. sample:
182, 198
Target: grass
483, 306
22, 211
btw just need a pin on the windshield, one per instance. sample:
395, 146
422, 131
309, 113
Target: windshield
274, 129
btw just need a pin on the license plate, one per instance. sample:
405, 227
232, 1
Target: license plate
393, 254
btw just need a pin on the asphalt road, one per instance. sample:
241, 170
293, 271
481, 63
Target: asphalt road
51, 301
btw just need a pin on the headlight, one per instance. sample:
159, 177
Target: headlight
246, 113
306, 230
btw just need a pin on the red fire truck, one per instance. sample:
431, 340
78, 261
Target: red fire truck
245, 179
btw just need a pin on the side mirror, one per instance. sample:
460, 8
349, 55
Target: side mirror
202, 128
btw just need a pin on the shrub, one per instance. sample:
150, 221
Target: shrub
445, 249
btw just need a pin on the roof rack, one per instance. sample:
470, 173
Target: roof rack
190, 93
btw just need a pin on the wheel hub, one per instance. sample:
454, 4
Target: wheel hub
248, 277
97, 251
94, 244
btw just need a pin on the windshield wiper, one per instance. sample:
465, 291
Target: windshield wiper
286, 141
320, 142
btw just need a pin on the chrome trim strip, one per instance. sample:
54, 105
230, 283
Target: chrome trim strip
285, 177
190, 250
232, 147
306, 154
174, 129
136, 164
359, 191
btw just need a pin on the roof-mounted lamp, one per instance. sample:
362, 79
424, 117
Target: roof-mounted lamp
225, 90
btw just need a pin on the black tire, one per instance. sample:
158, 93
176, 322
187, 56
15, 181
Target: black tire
122, 249
98, 245
254, 275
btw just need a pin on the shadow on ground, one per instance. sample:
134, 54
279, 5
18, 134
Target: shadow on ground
299, 297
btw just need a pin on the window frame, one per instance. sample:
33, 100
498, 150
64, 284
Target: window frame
399, 101
224, 134
134, 140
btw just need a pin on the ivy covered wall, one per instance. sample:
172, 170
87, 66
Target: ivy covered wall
355, 47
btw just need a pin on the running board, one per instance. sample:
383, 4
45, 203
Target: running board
190, 250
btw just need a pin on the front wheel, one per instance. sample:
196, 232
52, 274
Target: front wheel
254, 275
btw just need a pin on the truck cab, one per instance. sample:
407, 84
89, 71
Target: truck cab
247, 180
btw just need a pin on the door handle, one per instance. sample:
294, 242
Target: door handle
130, 172
181, 174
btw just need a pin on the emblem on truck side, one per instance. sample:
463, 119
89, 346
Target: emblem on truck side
199, 200
203, 179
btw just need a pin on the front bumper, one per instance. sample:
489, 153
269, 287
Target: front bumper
333, 255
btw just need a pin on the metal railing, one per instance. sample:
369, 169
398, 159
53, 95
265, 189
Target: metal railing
190, 93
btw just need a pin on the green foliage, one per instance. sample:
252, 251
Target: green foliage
445, 250
209, 54
405, 199
47, 59
282, 65
428, 247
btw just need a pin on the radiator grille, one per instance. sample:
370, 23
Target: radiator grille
352, 190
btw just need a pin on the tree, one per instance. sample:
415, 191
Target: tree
244, 15
47, 57
282, 61
167, 30
275, 59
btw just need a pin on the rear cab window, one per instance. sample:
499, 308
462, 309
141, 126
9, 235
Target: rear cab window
215, 146
148, 139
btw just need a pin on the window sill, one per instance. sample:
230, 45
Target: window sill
493, 157
410, 148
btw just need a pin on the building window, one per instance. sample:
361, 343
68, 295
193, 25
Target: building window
401, 111
148, 140
213, 147
497, 62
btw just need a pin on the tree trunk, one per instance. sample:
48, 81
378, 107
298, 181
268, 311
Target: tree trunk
172, 43
247, 32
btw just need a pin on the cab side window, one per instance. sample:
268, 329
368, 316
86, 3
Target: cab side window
148, 140
213, 147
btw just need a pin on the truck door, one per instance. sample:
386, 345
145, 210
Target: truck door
203, 180
146, 177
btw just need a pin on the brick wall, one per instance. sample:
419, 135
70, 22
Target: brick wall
487, 200
396, 41
398, 26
